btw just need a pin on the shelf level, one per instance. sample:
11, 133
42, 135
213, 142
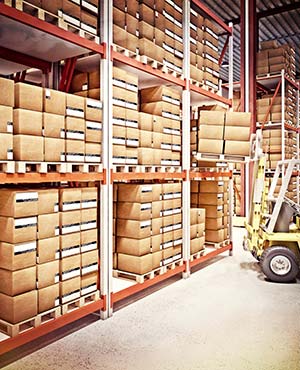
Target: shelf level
17, 178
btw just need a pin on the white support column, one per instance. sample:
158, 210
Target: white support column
282, 115
186, 195
247, 56
106, 201
230, 68
298, 147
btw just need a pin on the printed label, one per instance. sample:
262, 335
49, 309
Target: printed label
25, 222
24, 248
91, 103
27, 197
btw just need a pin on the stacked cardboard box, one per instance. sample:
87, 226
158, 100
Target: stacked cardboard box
273, 58
196, 46
48, 249
197, 228
7, 101
148, 226
163, 103
213, 197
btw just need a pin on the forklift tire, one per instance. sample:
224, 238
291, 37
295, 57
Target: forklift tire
279, 264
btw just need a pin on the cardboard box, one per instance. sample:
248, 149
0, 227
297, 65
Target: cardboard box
88, 240
210, 146
211, 199
135, 193
54, 150
75, 106
135, 264
237, 148
18, 308
19, 230
193, 231
70, 222
156, 241
54, 101
17, 256
211, 186
75, 128
69, 290
70, 244
47, 201
239, 119
48, 298
197, 244
89, 197
48, 225
6, 120
79, 82
70, 267
17, 282
93, 153
70, 199
214, 223
134, 229
47, 274
215, 118
88, 219
28, 97
89, 262
211, 132
75, 150
28, 148
133, 247
148, 48
93, 132
93, 110
213, 211
160, 93
156, 259
47, 250
134, 211
7, 92
18, 203
145, 121
89, 283
214, 236
54, 125
237, 133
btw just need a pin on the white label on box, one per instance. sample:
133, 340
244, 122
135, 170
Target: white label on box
167, 130
90, 125
29, 196
90, 203
176, 147
168, 212
74, 112
88, 28
212, 33
84, 87
56, 207
177, 226
119, 102
193, 41
167, 228
176, 210
133, 124
178, 38
88, 247
168, 260
146, 206
9, 127
62, 157
91, 7
89, 289
93, 158
144, 224
75, 157
177, 242
119, 83
166, 146
48, 94
168, 48
71, 273
178, 194
166, 162
56, 230
56, 278
132, 87
24, 248
70, 296
167, 98
168, 196
131, 160
118, 121
220, 208
176, 101
77, 135
89, 225
90, 268
178, 53
193, 12
132, 142
56, 302
177, 257
70, 19
119, 160
131, 105
146, 188
92, 103
25, 222
66, 229
57, 255
119, 140
10, 154
168, 244
70, 251
62, 133
175, 163
70, 206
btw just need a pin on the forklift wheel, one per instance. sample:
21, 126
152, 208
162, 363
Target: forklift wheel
279, 264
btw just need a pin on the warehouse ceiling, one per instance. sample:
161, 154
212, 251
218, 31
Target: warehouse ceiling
284, 27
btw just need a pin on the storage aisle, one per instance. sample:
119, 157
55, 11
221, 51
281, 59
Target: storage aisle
225, 316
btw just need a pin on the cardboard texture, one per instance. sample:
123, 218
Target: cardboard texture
16, 282
19, 230
48, 225
28, 97
54, 101
54, 125
18, 308
28, 148
18, 256
48, 201
7, 92
70, 244
47, 274
18, 203
48, 298
135, 264
54, 149
47, 249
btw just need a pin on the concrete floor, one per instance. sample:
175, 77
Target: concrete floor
225, 316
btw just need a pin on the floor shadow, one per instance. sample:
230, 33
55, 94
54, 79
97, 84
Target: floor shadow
253, 266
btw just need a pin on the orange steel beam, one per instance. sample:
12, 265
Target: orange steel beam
224, 50
210, 255
270, 106
195, 175
46, 328
242, 193
293, 83
118, 296
292, 128
117, 176
6, 178
210, 95
49, 28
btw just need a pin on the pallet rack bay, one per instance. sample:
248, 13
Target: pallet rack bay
69, 45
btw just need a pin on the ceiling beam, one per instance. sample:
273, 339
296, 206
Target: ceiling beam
269, 12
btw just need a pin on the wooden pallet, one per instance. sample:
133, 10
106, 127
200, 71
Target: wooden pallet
196, 83
146, 169
7, 166
13, 330
140, 278
197, 255
221, 157
80, 302
57, 167
125, 52
217, 245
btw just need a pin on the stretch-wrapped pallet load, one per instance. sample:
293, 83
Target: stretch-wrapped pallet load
48, 249
197, 230
148, 226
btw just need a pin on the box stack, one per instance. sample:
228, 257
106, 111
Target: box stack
126, 24
213, 197
237, 133
237, 188
273, 58
148, 226
197, 228
211, 132
164, 103
196, 46
7, 101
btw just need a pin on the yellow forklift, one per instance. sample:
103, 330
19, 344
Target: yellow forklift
273, 226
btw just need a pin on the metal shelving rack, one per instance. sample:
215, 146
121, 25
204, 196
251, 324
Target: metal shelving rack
77, 46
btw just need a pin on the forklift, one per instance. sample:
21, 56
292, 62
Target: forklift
273, 226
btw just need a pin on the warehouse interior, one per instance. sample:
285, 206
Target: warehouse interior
149, 184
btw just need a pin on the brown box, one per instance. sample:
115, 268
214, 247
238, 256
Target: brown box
79, 82
197, 244
88, 240
88, 219
28, 97
54, 149
18, 230
157, 257
89, 283
237, 148
240, 119
48, 298
70, 222
18, 308
70, 267
210, 146
89, 197
93, 110
6, 118
92, 152
54, 125
54, 101
75, 106
215, 236
213, 211
70, 244
148, 48
18, 203
211, 118
160, 93
69, 290
47, 274
134, 211
211, 186
28, 148
135, 264
75, 150
193, 231
214, 223
17, 256
133, 229
211, 132
6, 147
70, 199
17, 282
135, 193
75, 128
89, 262
48, 225
93, 131
7, 92
236, 133
211, 199
133, 247
48, 250
48, 201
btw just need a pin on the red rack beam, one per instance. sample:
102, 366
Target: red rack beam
117, 176
210, 255
202, 175
210, 95
23, 178
49, 28
46, 328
